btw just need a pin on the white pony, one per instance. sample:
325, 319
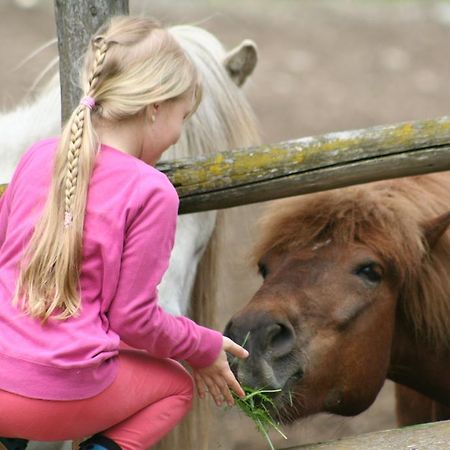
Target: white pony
223, 121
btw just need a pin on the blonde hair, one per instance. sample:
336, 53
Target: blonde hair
131, 63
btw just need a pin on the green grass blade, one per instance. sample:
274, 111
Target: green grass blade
255, 406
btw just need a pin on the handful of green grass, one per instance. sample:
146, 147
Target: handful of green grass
255, 405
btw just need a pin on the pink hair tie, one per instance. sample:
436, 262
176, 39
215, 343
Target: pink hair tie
88, 101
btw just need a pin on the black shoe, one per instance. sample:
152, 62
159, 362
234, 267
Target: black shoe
13, 443
99, 442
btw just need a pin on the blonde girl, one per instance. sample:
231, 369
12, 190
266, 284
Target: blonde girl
86, 229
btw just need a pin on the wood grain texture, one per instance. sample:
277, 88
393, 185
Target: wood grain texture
243, 176
430, 436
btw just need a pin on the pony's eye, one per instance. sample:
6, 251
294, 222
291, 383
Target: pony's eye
262, 269
370, 272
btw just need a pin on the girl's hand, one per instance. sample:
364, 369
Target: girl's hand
217, 379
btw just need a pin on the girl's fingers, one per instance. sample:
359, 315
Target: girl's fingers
201, 387
233, 348
234, 384
225, 391
204, 385
214, 390
222, 385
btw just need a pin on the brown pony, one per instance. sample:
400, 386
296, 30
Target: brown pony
356, 290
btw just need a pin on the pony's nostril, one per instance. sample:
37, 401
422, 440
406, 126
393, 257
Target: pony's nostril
280, 339
272, 332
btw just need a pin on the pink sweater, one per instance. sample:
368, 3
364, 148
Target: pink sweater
128, 236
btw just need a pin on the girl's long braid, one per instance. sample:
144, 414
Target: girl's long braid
77, 129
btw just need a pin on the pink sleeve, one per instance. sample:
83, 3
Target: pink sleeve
134, 313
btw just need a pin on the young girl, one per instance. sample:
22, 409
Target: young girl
86, 229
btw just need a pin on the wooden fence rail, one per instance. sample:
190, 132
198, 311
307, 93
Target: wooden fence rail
310, 164
430, 436
243, 176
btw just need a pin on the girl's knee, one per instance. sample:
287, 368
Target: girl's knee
182, 381
144, 370
187, 385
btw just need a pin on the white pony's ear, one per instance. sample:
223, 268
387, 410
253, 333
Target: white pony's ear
241, 61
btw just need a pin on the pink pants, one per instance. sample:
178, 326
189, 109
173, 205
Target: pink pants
147, 399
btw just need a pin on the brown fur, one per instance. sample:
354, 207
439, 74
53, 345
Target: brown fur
388, 217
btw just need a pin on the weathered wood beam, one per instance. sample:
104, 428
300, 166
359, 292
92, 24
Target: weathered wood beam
243, 176
434, 436
76, 22
310, 164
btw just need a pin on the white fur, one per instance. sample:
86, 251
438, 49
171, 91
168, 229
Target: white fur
25, 125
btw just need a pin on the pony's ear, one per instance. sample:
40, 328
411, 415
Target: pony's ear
435, 228
241, 61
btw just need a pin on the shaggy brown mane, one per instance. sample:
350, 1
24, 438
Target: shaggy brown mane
388, 217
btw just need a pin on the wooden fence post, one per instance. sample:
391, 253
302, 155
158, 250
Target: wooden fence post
76, 21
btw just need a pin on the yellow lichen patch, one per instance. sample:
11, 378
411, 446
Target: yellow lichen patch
236, 166
262, 160
414, 132
188, 176
336, 145
435, 128
407, 135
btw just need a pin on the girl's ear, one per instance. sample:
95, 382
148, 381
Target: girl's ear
435, 228
151, 111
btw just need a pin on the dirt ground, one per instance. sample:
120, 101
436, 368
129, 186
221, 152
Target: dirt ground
323, 66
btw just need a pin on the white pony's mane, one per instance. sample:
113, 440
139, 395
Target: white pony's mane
224, 107
35, 117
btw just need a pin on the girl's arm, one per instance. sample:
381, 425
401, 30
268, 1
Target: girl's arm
134, 313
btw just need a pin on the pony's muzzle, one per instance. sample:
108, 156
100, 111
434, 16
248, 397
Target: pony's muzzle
263, 335
270, 341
